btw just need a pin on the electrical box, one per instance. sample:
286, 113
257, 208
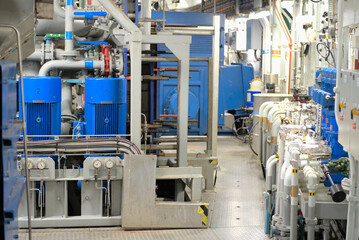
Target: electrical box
346, 121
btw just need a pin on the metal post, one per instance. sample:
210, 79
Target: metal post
182, 106
135, 109
212, 90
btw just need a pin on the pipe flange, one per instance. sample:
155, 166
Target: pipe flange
311, 222
69, 54
283, 228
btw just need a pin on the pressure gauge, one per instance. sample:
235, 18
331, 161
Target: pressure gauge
109, 163
30, 164
41, 164
97, 163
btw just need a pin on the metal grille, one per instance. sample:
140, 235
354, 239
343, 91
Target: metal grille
106, 118
38, 116
201, 46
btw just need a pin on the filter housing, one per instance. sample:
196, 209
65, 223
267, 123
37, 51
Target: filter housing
42, 106
105, 106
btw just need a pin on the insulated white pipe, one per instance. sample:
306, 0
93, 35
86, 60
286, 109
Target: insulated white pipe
281, 148
261, 108
119, 16
295, 154
311, 175
69, 27
285, 208
68, 64
260, 120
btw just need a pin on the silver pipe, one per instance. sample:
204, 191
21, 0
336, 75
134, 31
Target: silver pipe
119, 15
68, 64
18, 36
58, 10
339, 59
69, 27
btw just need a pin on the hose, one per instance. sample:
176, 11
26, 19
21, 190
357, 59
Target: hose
250, 138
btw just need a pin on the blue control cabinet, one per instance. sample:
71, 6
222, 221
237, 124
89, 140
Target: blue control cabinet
12, 184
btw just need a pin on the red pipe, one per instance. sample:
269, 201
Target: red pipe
290, 43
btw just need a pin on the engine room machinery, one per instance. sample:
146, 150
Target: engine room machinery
87, 158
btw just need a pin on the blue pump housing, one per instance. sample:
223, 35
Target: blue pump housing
322, 92
42, 106
105, 106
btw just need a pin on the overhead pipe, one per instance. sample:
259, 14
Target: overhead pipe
69, 64
279, 15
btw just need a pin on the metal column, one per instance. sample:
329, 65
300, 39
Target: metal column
213, 82
135, 52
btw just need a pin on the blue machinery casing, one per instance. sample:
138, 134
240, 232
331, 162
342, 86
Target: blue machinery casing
12, 184
42, 105
105, 105
233, 80
322, 92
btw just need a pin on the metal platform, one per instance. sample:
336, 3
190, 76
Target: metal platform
237, 214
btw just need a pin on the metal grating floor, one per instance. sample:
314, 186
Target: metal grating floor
238, 212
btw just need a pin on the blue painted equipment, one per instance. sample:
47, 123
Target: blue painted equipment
322, 93
42, 106
11, 183
234, 81
105, 106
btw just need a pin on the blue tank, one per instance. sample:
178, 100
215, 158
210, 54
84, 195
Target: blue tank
42, 105
105, 106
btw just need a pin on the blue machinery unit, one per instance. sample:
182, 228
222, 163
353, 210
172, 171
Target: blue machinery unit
42, 105
12, 184
322, 93
105, 105
233, 80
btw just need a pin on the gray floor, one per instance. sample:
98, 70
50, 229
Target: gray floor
238, 212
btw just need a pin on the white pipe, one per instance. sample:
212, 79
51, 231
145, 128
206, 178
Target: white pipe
339, 59
311, 175
275, 127
68, 64
295, 155
69, 27
285, 199
261, 108
119, 16
58, 10
281, 148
